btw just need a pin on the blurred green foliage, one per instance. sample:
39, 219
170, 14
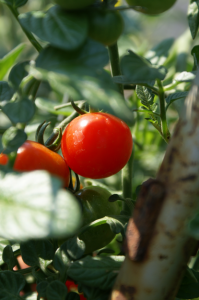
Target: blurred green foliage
141, 33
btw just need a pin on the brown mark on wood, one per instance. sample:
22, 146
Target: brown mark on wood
162, 256
173, 152
140, 229
188, 178
128, 291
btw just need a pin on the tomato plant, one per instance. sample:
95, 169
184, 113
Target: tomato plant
95, 205
152, 7
73, 5
97, 145
130, 68
105, 26
34, 156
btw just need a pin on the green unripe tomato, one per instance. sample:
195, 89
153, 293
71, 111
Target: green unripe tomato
74, 4
105, 26
95, 205
152, 7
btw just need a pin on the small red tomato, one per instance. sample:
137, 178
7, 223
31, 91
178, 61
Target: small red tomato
72, 287
34, 156
97, 145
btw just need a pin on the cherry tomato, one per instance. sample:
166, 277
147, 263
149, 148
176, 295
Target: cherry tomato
72, 287
74, 4
152, 7
97, 145
105, 26
95, 205
34, 156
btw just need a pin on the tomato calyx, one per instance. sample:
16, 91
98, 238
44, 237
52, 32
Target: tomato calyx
54, 141
78, 109
74, 187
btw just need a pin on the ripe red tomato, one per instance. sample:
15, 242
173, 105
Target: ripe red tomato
97, 145
72, 287
34, 156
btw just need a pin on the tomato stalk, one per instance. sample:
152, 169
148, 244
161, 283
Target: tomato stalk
127, 170
158, 242
115, 64
165, 130
63, 124
127, 184
29, 35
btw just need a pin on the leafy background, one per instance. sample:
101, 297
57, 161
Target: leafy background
142, 34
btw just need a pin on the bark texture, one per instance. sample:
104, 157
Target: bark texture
158, 244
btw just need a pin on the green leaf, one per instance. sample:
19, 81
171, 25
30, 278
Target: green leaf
6, 92
3, 244
14, 3
12, 139
158, 54
195, 54
9, 258
96, 271
189, 287
17, 73
124, 80
42, 288
56, 290
185, 77
43, 264
61, 262
10, 285
176, 96
61, 29
75, 248
35, 207
99, 91
94, 293
31, 251
19, 111
91, 55
48, 105
9, 59
193, 17
146, 96
72, 296
136, 68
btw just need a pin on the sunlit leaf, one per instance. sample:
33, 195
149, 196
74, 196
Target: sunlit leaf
62, 29
35, 207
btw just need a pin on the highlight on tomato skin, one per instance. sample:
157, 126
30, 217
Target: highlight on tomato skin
34, 156
97, 145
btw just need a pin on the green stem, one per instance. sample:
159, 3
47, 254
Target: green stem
127, 170
170, 86
25, 271
63, 125
115, 64
165, 130
146, 111
127, 185
29, 35
35, 89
